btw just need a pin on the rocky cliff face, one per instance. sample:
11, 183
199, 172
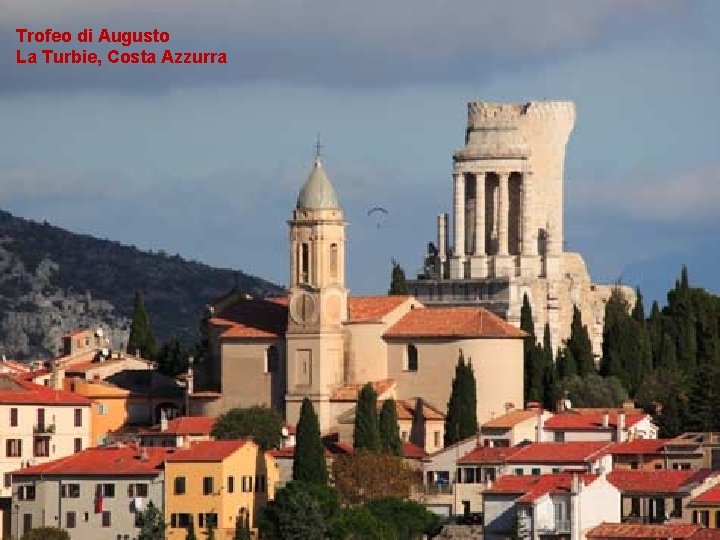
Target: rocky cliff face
53, 281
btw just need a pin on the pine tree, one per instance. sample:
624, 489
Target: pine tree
398, 283
389, 429
580, 344
141, 337
367, 430
309, 458
152, 523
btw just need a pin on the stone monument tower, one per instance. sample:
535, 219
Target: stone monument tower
507, 230
318, 297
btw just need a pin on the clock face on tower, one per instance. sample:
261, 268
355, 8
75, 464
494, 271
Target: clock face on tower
303, 308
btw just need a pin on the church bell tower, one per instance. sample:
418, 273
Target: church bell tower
318, 298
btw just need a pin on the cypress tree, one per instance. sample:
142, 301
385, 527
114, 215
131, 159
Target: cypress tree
566, 366
461, 419
527, 326
669, 420
667, 356
309, 458
549, 394
682, 312
389, 429
655, 331
398, 283
367, 430
468, 403
580, 344
638, 312
141, 337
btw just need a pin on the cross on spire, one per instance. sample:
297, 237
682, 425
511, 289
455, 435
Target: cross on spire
318, 147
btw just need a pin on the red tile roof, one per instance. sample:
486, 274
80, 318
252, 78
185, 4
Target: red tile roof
110, 461
350, 392
405, 409
191, 425
560, 452
209, 451
373, 308
488, 454
511, 419
589, 421
452, 322
659, 481
253, 318
639, 446
711, 497
21, 392
533, 487
413, 451
651, 532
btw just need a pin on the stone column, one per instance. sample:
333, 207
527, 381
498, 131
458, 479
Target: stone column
478, 260
479, 214
529, 232
503, 211
459, 209
457, 262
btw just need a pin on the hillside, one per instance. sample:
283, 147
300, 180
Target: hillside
53, 281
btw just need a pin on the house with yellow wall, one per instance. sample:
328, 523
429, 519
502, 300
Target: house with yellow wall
216, 482
109, 409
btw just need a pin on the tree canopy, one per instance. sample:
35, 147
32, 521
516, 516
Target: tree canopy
366, 434
142, 337
461, 419
390, 441
261, 424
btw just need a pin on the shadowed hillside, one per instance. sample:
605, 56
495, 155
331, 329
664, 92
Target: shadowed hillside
53, 281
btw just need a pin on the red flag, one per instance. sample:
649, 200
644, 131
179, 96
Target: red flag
99, 500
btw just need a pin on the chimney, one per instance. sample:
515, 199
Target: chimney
606, 419
189, 385
163, 421
620, 426
560, 405
57, 378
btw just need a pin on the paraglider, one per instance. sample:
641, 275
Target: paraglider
379, 213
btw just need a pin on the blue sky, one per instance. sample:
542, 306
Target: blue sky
207, 162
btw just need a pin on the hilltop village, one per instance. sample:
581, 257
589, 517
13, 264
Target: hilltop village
501, 393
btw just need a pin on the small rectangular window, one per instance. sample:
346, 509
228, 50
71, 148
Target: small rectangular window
183, 520
78, 445
13, 448
8, 479
535, 471
26, 493
231, 484
179, 485
518, 472
438, 439
208, 485
106, 520
70, 491
27, 522
70, 520
78, 418
13, 417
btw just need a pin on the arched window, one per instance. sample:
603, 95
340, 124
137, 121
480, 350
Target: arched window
333, 260
412, 357
304, 263
272, 359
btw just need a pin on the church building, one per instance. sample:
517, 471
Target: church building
323, 343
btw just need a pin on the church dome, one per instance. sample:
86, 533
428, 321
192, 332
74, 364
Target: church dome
318, 192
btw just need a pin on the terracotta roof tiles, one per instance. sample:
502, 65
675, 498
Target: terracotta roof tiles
533, 487
649, 532
349, 392
560, 452
21, 392
639, 446
488, 454
191, 425
711, 497
107, 461
453, 322
209, 451
373, 308
511, 419
592, 420
659, 481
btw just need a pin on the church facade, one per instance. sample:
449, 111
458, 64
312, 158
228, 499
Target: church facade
508, 228
322, 343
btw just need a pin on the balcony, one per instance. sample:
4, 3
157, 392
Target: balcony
438, 489
560, 526
44, 429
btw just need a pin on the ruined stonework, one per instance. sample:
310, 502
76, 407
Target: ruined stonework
508, 229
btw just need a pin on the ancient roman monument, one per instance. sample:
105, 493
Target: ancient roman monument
507, 230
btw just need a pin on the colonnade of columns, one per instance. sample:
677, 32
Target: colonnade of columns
525, 234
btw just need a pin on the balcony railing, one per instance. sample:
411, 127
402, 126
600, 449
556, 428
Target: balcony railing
43, 429
560, 526
438, 489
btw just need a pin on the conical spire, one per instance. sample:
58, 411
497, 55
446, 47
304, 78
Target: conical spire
317, 193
